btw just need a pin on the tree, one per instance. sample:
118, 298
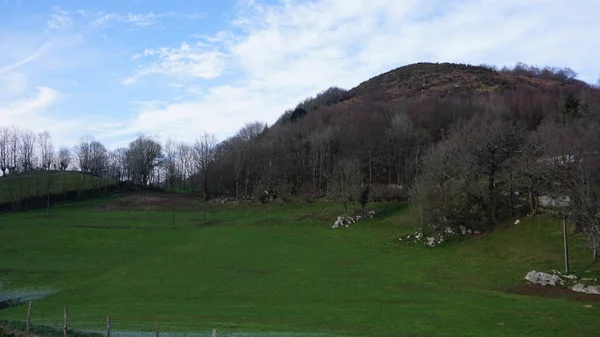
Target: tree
571, 107
143, 156
46, 150
170, 163
347, 182
64, 158
4, 149
92, 156
583, 189
27, 150
204, 156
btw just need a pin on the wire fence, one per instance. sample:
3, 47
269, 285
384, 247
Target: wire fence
111, 327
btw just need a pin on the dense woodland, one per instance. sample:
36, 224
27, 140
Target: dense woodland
469, 145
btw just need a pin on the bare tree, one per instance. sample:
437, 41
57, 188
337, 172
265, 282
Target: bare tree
92, 156
347, 182
169, 163
64, 158
27, 150
5, 135
204, 156
143, 156
46, 150
185, 163
583, 188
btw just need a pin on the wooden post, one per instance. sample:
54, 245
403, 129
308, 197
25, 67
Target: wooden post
29, 316
173, 212
107, 326
65, 322
566, 243
158, 329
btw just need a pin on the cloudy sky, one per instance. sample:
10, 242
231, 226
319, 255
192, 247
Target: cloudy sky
178, 68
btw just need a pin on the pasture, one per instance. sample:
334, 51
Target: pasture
281, 270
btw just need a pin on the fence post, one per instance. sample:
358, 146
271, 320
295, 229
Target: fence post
566, 243
157, 329
107, 326
65, 322
29, 316
214, 333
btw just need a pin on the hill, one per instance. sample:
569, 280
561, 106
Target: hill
446, 79
62, 185
385, 125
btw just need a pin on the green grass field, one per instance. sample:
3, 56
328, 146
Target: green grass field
280, 270
34, 183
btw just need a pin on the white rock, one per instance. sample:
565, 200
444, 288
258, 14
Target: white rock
570, 277
595, 290
579, 287
543, 278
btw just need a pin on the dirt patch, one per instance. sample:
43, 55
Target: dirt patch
151, 202
553, 292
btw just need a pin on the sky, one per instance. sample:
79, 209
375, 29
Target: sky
177, 69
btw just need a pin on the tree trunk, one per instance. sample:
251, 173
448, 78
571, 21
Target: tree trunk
492, 197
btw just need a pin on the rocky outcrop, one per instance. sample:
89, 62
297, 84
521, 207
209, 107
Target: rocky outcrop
557, 279
544, 279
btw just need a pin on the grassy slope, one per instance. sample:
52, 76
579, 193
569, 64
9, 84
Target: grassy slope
35, 183
282, 268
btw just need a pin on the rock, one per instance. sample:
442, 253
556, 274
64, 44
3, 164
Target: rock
570, 277
543, 278
595, 290
581, 288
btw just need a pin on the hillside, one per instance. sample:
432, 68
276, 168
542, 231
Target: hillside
33, 184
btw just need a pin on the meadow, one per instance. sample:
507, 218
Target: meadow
281, 270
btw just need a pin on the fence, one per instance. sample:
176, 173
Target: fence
110, 328
65, 196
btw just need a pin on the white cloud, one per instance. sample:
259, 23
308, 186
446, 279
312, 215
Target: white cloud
286, 51
136, 19
32, 57
273, 54
186, 62
59, 19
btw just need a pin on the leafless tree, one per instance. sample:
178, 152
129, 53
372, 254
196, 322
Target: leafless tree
347, 182
92, 156
64, 158
204, 156
27, 150
13, 150
143, 156
5, 135
46, 150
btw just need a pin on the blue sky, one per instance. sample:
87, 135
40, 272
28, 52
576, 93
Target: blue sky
177, 69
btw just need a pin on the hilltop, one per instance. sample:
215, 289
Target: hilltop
446, 79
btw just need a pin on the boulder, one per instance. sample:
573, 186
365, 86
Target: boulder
581, 288
594, 290
543, 278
